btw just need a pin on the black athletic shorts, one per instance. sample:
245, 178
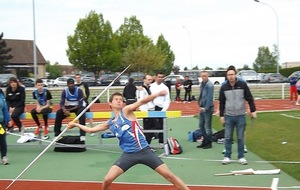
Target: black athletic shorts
145, 156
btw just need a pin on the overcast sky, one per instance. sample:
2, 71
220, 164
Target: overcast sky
214, 33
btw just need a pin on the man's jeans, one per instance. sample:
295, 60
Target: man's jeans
240, 123
205, 119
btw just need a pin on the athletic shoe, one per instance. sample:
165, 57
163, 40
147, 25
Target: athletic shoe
46, 131
226, 161
38, 130
223, 152
22, 130
243, 161
245, 149
201, 145
82, 138
45, 137
207, 146
5, 160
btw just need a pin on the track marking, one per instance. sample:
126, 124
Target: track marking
274, 184
290, 116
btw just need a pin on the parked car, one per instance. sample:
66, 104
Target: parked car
273, 78
297, 73
173, 78
27, 82
248, 76
138, 77
91, 81
123, 80
107, 78
4, 79
60, 81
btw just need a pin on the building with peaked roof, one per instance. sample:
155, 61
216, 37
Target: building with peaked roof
22, 61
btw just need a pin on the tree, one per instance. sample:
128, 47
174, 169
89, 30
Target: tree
265, 60
165, 49
54, 70
93, 47
245, 67
4, 56
207, 68
175, 69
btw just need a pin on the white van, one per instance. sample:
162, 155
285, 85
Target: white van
248, 76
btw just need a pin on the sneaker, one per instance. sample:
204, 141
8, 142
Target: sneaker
46, 137
46, 131
38, 130
243, 161
5, 160
201, 145
245, 149
226, 161
207, 146
223, 152
82, 138
22, 131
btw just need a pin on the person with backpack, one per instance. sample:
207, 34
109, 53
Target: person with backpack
232, 108
133, 143
206, 110
43, 106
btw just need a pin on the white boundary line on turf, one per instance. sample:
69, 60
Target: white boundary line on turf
274, 183
290, 116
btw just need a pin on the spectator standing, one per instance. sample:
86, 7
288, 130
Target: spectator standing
298, 90
177, 89
86, 94
4, 119
43, 106
232, 109
129, 92
135, 148
161, 103
15, 98
293, 88
72, 100
187, 84
206, 109
143, 92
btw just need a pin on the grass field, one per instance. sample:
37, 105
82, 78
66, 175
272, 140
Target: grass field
274, 137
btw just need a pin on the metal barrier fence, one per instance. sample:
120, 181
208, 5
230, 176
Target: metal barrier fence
259, 91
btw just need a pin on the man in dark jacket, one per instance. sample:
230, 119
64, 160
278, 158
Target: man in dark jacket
129, 92
187, 84
233, 95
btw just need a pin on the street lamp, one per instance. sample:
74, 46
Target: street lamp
190, 40
34, 42
277, 23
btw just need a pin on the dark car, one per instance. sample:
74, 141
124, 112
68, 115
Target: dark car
107, 78
91, 81
27, 82
296, 73
4, 79
273, 78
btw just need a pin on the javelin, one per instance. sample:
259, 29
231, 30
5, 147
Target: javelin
77, 117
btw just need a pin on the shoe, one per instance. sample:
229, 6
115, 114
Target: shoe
38, 130
207, 146
226, 161
92, 134
22, 131
201, 145
46, 131
243, 161
245, 149
5, 161
46, 137
82, 138
221, 141
223, 152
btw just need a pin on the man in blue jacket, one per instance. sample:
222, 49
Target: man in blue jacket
206, 109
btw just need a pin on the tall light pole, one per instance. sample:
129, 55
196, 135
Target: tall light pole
277, 27
34, 43
190, 41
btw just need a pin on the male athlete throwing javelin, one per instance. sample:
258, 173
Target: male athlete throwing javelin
132, 141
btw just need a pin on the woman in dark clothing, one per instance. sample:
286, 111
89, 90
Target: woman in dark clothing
15, 98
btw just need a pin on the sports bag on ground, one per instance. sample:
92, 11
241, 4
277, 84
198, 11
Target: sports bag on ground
174, 146
218, 135
70, 144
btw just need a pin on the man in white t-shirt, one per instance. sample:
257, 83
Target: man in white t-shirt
161, 103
